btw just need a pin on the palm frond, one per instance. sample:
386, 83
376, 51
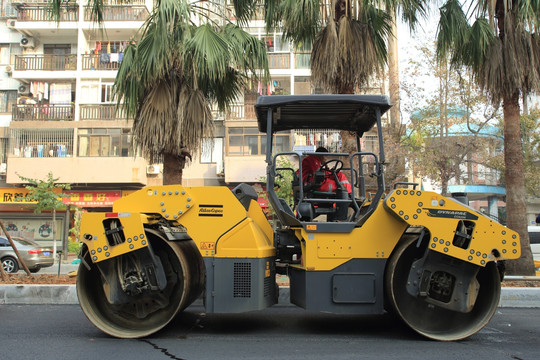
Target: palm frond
473, 51
453, 28
300, 19
247, 52
194, 121
127, 87
346, 54
325, 57
244, 10
209, 50
224, 90
512, 63
96, 11
412, 11
155, 124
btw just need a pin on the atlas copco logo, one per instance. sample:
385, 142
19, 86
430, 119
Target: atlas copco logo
211, 210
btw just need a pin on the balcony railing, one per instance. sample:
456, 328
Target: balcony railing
104, 61
303, 61
120, 13
42, 112
46, 62
100, 112
43, 13
279, 61
241, 112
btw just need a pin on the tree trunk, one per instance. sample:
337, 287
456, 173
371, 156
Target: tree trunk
173, 168
54, 235
516, 214
393, 82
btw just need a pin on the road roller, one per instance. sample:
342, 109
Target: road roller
431, 260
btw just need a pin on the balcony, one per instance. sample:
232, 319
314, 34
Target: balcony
43, 113
41, 12
241, 112
104, 61
120, 13
279, 61
45, 62
302, 60
101, 112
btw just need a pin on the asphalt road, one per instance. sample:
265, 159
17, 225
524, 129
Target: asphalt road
63, 332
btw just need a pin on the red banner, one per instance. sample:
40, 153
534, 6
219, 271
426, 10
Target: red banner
91, 198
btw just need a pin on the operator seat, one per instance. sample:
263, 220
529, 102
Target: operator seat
317, 202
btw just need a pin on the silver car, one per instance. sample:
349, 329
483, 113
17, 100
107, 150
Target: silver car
33, 254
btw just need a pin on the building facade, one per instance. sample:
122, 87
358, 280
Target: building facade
58, 114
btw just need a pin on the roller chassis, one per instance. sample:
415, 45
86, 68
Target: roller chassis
428, 258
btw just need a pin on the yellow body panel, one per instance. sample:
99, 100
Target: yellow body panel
246, 240
93, 235
374, 240
213, 217
440, 215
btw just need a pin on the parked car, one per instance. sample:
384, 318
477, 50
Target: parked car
534, 237
33, 254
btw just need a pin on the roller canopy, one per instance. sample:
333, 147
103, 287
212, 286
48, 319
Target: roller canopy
341, 112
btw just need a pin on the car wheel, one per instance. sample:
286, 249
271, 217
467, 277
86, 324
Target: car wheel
10, 264
35, 270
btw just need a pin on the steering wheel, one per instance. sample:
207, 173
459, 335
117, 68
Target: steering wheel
335, 168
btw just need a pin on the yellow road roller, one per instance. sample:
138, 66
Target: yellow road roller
432, 260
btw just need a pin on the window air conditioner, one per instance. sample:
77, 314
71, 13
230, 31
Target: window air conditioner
27, 42
152, 169
24, 90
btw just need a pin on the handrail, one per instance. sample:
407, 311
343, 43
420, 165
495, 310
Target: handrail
45, 62
31, 112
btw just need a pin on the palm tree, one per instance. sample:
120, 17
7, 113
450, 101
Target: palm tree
188, 57
499, 42
349, 40
349, 37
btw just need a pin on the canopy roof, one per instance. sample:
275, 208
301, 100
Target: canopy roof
341, 112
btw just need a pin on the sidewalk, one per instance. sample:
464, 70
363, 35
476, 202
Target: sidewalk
520, 297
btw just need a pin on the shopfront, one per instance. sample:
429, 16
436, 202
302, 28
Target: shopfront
20, 219
18, 216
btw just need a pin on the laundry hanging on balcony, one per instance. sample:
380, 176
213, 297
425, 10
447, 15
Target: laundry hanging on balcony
60, 94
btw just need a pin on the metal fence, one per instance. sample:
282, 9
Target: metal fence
31, 143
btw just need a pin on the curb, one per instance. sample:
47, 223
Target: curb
515, 297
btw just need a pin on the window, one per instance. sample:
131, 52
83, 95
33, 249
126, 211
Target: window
275, 43
8, 98
212, 151
249, 141
104, 142
106, 92
4, 54
31, 143
97, 92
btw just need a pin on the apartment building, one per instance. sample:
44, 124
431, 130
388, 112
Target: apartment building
57, 112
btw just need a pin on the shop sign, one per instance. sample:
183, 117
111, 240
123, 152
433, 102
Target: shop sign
91, 198
15, 196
